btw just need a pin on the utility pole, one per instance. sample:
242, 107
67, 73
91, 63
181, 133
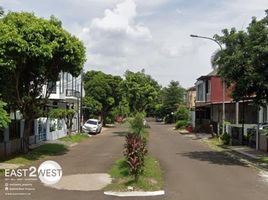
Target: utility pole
81, 103
223, 82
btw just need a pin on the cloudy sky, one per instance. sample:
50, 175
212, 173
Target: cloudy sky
147, 34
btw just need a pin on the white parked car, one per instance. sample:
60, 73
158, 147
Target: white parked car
92, 126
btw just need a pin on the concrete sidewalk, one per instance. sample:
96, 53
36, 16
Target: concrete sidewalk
244, 150
250, 152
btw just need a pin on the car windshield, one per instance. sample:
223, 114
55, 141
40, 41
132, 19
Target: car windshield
92, 122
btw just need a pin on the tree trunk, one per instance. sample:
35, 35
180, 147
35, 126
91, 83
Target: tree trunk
103, 118
26, 135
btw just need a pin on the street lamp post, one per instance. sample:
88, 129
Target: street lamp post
223, 82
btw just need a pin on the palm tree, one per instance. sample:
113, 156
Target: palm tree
1, 11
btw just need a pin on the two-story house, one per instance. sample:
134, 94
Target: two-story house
209, 100
65, 93
241, 116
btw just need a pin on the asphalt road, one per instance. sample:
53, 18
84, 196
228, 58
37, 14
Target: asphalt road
191, 170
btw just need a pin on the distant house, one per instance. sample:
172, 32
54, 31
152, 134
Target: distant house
242, 116
65, 93
190, 103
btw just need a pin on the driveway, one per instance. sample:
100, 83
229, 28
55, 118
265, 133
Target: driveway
191, 170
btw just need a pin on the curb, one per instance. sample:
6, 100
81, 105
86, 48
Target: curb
245, 158
135, 194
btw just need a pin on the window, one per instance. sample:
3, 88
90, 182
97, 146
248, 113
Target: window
51, 86
72, 83
200, 92
53, 125
92, 122
66, 79
265, 120
14, 129
62, 82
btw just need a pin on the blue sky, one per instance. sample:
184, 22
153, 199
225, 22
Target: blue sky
147, 34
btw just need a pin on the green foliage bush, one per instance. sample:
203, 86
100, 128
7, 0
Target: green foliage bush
4, 118
181, 114
225, 138
136, 124
181, 124
135, 147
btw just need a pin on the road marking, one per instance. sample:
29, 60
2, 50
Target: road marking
83, 182
135, 194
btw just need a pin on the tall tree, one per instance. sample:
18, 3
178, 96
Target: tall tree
33, 51
102, 91
141, 91
172, 97
243, 62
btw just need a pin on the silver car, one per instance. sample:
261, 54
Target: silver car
92, 126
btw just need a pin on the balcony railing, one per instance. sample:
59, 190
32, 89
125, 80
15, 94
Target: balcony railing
72, 93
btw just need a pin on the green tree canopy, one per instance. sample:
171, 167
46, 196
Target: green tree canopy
4, 118
33, 51
102, 92
172, 97
243, 62
140, 90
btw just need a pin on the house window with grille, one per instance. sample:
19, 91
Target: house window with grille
14, 129
51, 86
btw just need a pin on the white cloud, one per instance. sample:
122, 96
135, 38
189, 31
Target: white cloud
150, 34
179, 11
116, 35
121, 20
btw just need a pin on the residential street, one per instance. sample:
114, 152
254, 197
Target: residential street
191, 170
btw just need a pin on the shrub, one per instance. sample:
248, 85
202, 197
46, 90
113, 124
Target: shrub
109, 120
225, 138
135, 150
181, 114
137, 126
181, 124
135, 147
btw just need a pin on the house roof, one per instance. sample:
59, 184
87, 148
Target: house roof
191, 88
213, 73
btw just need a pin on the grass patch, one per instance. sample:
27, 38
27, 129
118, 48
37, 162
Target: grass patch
74, 138
214, 143
264, 159
36, 154
151, 180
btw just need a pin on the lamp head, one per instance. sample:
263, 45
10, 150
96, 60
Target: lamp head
193, 35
